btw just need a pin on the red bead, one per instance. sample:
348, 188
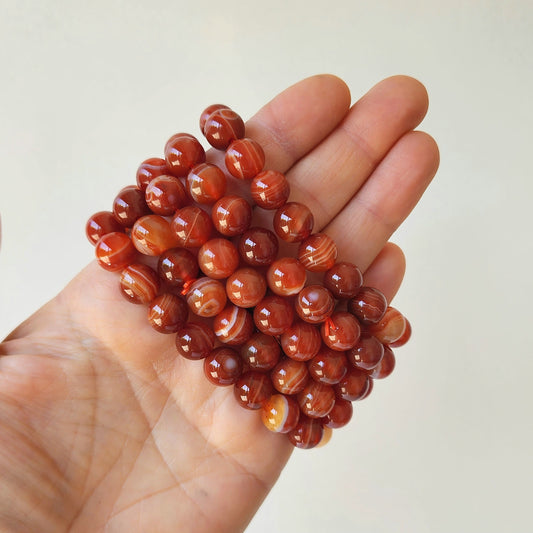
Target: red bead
192, 225
139, 283
222, 127
233, 325
366, 354
286, 276
273, 315
301, 341
289, 376
258, 247
343, 280
244, 159
149, 169
280, 413
341, 331
270, 189
231, 215
129, 205
261, 352
208, 111
218, 258
390, 328
177, 267
314, 304
369, 305
327, 433
115, 251
369, 390
182, 152
253, 389
206, 297
316, 399
340, 415
385, 366
206, 183
405, 336
165, 194
353, 386
223, 366
195, 341
152, 235
293, 222
101, 224
167, 313
307, 433
246, 287
328, 366
318, 252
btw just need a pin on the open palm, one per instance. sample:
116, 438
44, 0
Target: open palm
104, 427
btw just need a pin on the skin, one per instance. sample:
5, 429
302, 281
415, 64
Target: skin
104, 428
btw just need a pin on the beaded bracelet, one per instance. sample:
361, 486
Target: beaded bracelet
300, 352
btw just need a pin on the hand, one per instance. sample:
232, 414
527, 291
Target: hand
104, 427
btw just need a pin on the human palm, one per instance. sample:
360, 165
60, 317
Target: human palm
104, 427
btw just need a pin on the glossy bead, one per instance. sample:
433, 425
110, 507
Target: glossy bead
195, 341
258, 247
150, 169
223, 366
286, 276
152, 235
353, 385
178, 267
289, 376
231, 215
101, 224
341, 331
314, 304
206, 297
316, 399
340, 415
206, 183
115, 251
192, 225
317, 253
385, 366
270, 189
293, 222
307, 434
328, 366
343, 280
233, 325
301, 341
129, 205
218, 258
405, 336
261, 352
366, 354
368, 305
253, 389
139, 283
208, 111
244, 159
369, 389
222, 127
167, 313
182, 152
327, 433
390, 328
246, 287
280, 413
273, 315
165, 194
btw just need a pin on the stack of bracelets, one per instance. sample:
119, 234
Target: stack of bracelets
299, 351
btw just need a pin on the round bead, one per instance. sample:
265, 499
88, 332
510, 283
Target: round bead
244, 159
273, 315
231, 215
115, 251
405, 336
139, 283
328, 366
150, 169
182, 152
206, 183
343, 280
327, 433
341, 331
206, 297
246, 287
165, 194
385, 366
270, 189
293, 222
195, 341
258, 247
390, 328
368, 305
152, 235
261, 352
177, 267
286, 276
101, 224
192, 225
289, 376
218, 258
353, 385
307, 434
340, 415
318, 252
253, 389
129, 205
369, 389
301, 341
222, 127
314, 304
280, 413
233, 325
167, 313
223, 366
367, 353
316, 399
208, 111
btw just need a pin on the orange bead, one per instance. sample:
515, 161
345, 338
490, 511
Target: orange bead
390, 328
233, 325
308, 433
195, 341
405, 336
385, 366
314, 304
149, 169
286, 276
253, 389
206, 183
165, 194
218, 258
273, 315
231, 215
152, 235
182, 152
261, 352
368, 305
223, 366
114, 251
246, 287
316, 399
301, 341
167, 313
192, 226
208, 111
129, 205
258, 247
341, 331
328, 366
353, 386
222, 127
101, 224
289, 376
206, 297
293, 222
280, 413
270, 189
244, 159
139, 283
317, 253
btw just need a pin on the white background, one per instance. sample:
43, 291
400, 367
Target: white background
89, 89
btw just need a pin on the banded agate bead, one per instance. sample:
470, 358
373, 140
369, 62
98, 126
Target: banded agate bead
182, 152
367, 353
317, 399
167, 313
385, 366
192, 226
222, 127
223, 366
328, 366
293, 222
139, 283
327, 433
286, 276
165, 194
233, 325
405, 336
231, 215
206, 183
152, 235
343, 280
289, 376
390, 328
280, 413
218, 258
318, 252
307, 434
258, 247
150, 169
206, 113
314, 304
353, 386
368, 305
129, 205
340, 415
177, 267
253, 389
273, 315
195, 341
341, 331
301, 341
261, 352
244, 159
101, 224
206, 297
114, 251
246, 287
270, 189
